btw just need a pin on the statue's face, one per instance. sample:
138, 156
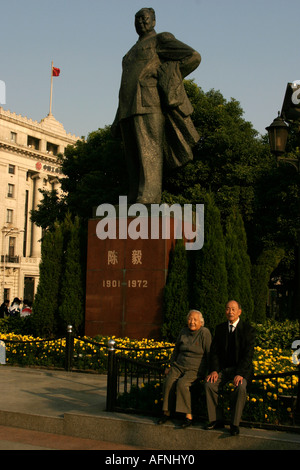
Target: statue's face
144, 22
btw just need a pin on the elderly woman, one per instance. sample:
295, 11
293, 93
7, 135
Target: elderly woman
188, 362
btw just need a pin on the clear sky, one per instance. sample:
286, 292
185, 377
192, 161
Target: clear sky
250, 50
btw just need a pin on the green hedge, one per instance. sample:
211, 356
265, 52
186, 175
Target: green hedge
275, 334
271, 334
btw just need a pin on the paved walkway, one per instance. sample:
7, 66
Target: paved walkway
25, 439
42, 409
44, 393
51, 393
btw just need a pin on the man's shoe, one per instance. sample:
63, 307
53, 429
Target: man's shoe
234, 430
186, 423
163, 419
214, 425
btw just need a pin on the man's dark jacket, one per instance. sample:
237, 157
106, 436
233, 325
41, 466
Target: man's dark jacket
244, 349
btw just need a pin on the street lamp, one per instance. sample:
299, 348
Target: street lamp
278, 134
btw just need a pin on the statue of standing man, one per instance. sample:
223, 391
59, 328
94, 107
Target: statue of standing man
154, 110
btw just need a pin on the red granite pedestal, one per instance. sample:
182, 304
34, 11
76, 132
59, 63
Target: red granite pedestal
124, 285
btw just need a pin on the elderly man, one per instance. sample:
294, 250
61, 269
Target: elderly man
154, 112
188, 362
230, 360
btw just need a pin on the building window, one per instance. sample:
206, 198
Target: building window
9, 216
6, 294
11, 247
13, 137
33, 142
10, 190
52, 148
11, 169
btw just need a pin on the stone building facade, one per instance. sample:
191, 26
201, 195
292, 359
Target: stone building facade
28, 162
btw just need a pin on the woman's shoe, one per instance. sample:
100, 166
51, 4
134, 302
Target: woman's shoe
234, 430
214, 425
186, 423
163, 419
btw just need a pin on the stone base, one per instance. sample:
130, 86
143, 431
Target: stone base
125, 283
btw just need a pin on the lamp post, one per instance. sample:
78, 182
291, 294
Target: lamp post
278, 134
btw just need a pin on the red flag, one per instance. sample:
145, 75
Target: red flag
55, 72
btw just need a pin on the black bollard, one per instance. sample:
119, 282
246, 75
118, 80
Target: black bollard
69, 349
111, 377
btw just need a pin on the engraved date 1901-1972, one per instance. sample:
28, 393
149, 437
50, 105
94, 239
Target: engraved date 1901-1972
130, 283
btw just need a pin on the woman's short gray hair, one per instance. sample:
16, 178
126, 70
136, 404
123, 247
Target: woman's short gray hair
199, 313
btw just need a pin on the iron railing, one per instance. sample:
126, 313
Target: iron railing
135, 386
135, 378
58, 352
126, 376
10, 259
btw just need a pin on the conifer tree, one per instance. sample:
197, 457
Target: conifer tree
232, 260
45, 305
210, 275
238, 264
176, 293
71, 309
261, 272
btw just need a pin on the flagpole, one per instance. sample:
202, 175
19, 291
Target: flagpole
51, 87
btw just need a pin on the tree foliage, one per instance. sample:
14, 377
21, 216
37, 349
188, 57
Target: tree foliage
45, 305
261, 272
176, 293
59, 300
228, 159
238, 264
232, 168
71, 307
50, 210
209, 272
94, 173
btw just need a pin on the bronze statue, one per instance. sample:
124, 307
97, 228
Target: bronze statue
154, 111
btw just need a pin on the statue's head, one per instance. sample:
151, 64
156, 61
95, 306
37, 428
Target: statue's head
144, 21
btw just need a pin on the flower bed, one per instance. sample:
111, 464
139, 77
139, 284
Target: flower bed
270, 400
88, 353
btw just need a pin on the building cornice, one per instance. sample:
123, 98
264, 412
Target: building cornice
28, 152
48, 125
